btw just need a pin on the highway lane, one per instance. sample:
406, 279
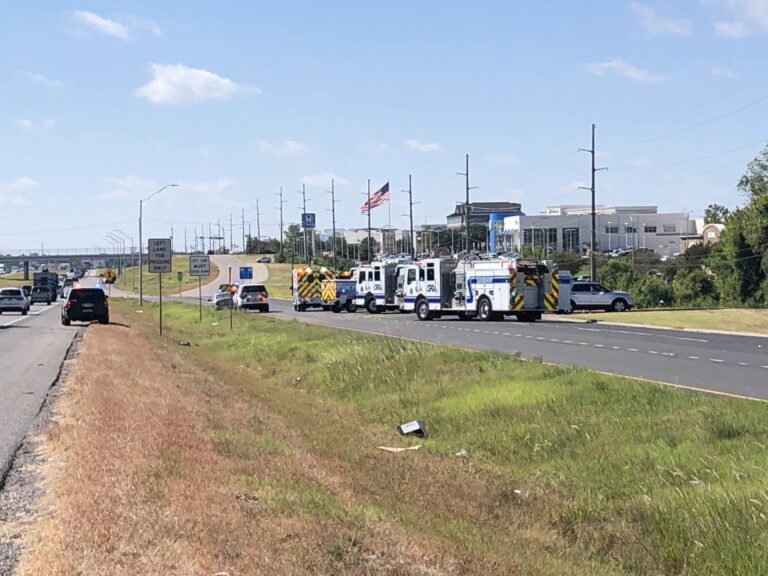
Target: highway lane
32, 349
730, 364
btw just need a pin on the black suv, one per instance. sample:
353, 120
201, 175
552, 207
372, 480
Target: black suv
85, 305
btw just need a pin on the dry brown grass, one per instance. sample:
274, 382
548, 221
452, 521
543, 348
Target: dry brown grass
148, 473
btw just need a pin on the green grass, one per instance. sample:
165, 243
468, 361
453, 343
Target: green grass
279, 281
15, 279
606, 475
736, 320
129, 281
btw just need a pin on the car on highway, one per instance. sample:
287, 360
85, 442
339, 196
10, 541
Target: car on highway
27, 289
594, 296
41, 294
264, 260
85, 305
13, 300
221, 300
252, 297
65, 285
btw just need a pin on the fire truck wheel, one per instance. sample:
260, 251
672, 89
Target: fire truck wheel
370, 305
351, 307
484, 311
422, 310
336, 309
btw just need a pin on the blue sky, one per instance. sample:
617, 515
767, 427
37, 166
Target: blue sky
101, 103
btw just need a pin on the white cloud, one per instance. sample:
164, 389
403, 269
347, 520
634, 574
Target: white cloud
179, 84
423, 146
506, 159
19, 184
757, 10
657, 25
102, 25
324, 179
735, 30
30, 125
43, 80
287, 148
618, 67
723, 72
145, 24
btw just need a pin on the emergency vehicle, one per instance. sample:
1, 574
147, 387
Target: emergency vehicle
485, 289
339, 293
377, 287
307, 287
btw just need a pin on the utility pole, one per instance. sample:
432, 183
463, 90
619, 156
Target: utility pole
185, 239
304, 208
466, 205
231, 242
244, 244
593, 238
258, 228
332, 192
281, 221
369, 221
412, 237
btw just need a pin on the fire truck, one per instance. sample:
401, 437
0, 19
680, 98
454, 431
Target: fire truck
377, 286
307, 287
485, 289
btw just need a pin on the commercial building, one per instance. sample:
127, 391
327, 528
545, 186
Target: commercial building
568, 228
481, 213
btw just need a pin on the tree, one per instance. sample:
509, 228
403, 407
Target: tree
694, 288
653, 292
570, 261
736, 265
715, 214
617, 274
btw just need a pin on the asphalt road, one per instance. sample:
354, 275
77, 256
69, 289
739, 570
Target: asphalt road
224, 262
730, 364
32, 349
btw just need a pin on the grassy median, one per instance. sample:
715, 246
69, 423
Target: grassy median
129, 281
528, 469
732, 320
279, 281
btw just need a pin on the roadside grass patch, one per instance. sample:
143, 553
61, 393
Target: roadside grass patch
129, 281
565, 466
732, 319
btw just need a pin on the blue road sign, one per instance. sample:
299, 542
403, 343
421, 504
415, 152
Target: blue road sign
246, 273
308, 220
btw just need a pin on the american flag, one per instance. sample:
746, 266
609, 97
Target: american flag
378, 198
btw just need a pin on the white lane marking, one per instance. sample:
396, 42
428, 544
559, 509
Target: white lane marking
583, 343
540, 338
599, 346
497, 333
670, 354
743, 363
478, 331
716, 360
518, 335
691, 339
766, 367
529, 337
632, 349
615, 348
567, 341
652, 352
591, 329
693, 357
631, 332
554, 340
507, 334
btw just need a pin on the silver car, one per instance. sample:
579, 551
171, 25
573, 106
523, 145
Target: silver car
594, 296
13, 300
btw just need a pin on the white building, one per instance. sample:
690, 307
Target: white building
568, 228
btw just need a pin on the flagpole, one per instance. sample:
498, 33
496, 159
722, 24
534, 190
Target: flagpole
369, 221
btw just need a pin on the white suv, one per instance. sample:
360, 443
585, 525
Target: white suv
594, 296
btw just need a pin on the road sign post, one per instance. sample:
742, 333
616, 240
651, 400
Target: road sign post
200, 265
160, 263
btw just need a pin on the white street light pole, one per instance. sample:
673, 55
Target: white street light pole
141, 241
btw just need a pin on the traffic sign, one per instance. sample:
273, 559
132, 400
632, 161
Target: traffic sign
160, 255
199, 265
246, 273
308, 220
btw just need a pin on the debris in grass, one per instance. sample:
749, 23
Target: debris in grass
183, 343
414, 428
397, 450
139, 311
214, 323
462, 453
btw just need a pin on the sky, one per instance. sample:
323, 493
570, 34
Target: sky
103, 103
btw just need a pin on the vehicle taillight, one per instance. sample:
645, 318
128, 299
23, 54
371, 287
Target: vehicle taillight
106, 304
338, 293
68, 305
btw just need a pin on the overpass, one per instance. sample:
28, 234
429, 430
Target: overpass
52, 258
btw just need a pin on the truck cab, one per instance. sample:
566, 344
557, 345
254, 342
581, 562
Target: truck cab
377, 286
